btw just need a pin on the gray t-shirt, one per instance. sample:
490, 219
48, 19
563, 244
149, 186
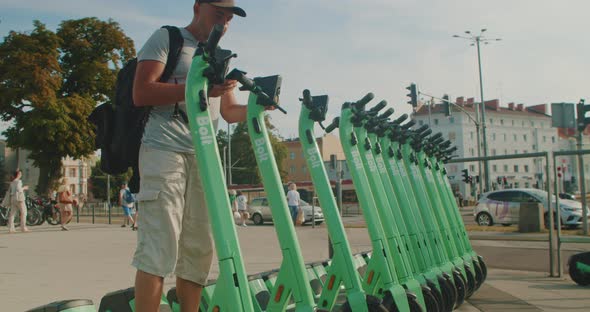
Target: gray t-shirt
162, 131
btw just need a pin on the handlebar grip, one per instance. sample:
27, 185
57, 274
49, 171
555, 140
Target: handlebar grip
240, 76
408, 125
387, 113
436, 137
214, 37
307, 100
450, 150
333, 125
436, 141
381, 105
424, 134
400, 119
360, 104
422, 129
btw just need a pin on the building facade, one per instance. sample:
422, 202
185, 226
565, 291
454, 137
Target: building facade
511, 130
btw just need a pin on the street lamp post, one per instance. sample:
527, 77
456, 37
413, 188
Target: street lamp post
475, 41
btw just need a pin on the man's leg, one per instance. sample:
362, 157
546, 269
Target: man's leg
148, 291
189, 295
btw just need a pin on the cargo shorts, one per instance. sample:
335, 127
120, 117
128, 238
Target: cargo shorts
175, 235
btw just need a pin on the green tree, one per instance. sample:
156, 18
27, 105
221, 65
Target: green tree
98, 183
49, 84
246, 171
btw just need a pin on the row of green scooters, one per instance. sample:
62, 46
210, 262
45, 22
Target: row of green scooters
421, 258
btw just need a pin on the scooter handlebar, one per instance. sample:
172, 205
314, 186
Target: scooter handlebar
381, 105
408, 125
387, 113
424, 134
214, 37
333, 125
422, 129
360, 104
307, 100
400, 119
436, 137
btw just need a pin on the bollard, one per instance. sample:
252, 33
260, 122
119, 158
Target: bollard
109, 206
77, 215
93, 213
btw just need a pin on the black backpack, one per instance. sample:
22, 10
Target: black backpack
120, 126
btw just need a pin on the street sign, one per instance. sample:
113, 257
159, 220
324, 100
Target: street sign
563, 115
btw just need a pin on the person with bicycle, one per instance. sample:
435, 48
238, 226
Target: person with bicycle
17, 202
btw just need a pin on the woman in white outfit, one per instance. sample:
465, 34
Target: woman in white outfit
17, 202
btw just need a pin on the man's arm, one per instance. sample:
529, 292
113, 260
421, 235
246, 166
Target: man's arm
149, 91
230, 110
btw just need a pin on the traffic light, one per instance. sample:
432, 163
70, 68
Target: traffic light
476, 179
413, 94
583, 121
446, 105
465, 175
499, 180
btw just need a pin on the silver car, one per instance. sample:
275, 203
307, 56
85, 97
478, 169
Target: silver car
260, 212
503, 207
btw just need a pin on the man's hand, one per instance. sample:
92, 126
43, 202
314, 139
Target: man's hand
219, 90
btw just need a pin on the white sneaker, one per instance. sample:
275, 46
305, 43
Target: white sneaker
244, 224
64, 228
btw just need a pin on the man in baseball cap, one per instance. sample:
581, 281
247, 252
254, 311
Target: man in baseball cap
226, 4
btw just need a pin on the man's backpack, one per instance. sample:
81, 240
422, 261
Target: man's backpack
129, 198
120, 125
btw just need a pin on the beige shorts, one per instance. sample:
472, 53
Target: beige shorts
65, 207
174, 236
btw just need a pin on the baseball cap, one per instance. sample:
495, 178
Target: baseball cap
226, 4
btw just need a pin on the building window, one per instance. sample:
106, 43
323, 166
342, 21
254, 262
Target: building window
72, 172
505, 168
534, 147
532, 124
435, 121
524, 137
304, 169
544, 139
505, 152
420, 122
495, 168
452, 120
553, 139
472, 168
292, 156
504, 137
515, 138
502, 121
493, 152
523, 123
526, 168
515, 152
513, 123
472, 151
471, 135
292, 169
515, 168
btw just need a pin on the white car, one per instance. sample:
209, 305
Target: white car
260, 212
503, 207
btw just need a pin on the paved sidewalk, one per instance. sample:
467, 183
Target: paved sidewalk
91, 260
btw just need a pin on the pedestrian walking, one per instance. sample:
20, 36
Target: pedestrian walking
242, 203
126, 201
293, 201
17, 202
65, 201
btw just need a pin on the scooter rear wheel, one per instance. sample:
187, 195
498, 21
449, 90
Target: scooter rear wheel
432, 303
448, 292
436, 293
470, 279
391, 306
581, 278
460, 285
484, 268
478, 275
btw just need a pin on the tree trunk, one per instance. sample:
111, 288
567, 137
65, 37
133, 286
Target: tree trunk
49, 174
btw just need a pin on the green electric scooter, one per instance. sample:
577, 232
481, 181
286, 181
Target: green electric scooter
388, 206
292, 278
381, 274
401, 138
209, 66
342, 269
440, 155
407, 215
436, 150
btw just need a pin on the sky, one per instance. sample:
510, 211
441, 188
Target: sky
346, 48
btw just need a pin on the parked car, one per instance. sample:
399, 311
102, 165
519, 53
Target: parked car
503, 207
567, 196
260, 212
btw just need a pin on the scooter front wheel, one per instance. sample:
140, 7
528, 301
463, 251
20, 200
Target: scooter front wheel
460, 285
432, 303
581, 278
479, 278
448, 292
470, 279
374, 304
391, 306
484, 268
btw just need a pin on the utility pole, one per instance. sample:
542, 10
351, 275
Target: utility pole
583, 122
475, 41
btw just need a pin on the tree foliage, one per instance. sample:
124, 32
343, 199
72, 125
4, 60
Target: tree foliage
246, 169
49, 84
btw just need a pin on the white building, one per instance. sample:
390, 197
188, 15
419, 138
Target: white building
514, 129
